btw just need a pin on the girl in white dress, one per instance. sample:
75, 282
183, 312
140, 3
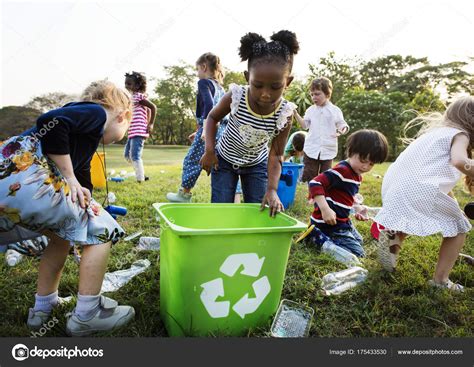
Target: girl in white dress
416, 190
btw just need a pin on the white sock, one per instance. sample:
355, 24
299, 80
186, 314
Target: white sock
86, 306
45, 303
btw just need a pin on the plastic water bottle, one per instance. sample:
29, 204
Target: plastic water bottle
111, 197
341, 281
340, 254
13, 257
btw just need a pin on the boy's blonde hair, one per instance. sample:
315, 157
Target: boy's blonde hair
109, 96
322, 84
213, 62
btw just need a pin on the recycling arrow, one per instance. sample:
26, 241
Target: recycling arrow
211, 291
247, 305
252, 264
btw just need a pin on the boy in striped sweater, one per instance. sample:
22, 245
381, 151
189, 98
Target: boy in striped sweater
333, 191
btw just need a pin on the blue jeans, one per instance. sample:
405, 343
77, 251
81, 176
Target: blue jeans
224, 182
349, 239
134, 148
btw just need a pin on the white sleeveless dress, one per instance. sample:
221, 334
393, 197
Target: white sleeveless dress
415, 188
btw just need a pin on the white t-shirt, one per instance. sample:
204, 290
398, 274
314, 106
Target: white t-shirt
323, 123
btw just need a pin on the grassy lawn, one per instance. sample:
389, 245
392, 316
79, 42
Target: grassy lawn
390, 305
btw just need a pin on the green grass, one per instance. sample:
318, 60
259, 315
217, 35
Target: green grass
386, 305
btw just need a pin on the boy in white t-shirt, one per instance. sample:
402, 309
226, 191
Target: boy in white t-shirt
325, 123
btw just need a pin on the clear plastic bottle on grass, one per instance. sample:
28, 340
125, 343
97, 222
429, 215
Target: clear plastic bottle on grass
340, 254
341, 281
13, 257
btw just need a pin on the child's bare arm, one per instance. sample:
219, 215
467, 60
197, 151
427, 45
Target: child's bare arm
303, 123
329, 216
459, 158
152, 107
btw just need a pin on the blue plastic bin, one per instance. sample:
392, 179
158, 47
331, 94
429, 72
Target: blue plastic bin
288, 181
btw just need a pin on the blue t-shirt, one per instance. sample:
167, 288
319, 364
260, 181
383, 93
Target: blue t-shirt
204, 104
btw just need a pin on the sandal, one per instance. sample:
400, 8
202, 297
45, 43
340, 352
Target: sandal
449, 285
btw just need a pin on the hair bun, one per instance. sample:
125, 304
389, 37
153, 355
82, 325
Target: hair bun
288, 38
246, 44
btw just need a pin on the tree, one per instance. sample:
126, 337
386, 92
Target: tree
16, 119
175, 103
50, 101
373, 110
342, 73
298, 93
233, 77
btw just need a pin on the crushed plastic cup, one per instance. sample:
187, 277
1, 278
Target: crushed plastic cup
149, 244
117, 279
292, 320
341, 281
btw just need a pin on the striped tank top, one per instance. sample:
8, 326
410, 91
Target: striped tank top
245, 140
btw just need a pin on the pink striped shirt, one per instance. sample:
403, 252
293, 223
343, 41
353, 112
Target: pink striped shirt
139, 124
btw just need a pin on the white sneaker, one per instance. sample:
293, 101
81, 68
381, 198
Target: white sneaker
37, 319
108, 317
180, 197
449, 285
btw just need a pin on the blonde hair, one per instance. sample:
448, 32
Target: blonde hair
109, 96
459, 114
213, 62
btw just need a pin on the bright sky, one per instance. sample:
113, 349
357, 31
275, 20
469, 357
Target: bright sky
62, 46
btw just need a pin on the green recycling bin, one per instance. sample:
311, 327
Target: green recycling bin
222, 266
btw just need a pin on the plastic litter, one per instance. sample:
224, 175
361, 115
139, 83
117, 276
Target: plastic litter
117, 279
292, 320
133, 236
111, 198
341, 281
467, 258
13, 257
340, 254
149, 243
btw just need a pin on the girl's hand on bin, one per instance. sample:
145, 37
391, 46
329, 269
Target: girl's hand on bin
209, 161
78, 192
271, 198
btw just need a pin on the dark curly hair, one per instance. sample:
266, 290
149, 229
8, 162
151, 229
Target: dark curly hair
281, 48
140, 80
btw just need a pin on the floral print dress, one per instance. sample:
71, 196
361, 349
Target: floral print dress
35, 196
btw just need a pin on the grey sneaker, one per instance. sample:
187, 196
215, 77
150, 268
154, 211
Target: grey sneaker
108, 317
37, 319
180, 197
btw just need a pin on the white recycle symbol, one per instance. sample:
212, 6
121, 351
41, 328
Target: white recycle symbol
246, 305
